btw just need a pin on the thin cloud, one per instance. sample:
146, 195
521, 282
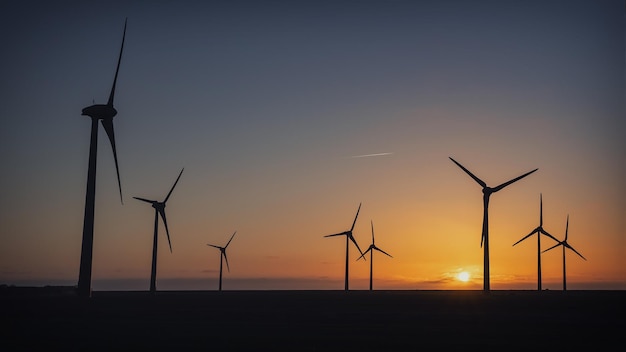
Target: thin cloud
370, 155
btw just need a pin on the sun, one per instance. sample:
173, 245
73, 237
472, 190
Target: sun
463, 276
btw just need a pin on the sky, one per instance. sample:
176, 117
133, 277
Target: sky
286, 115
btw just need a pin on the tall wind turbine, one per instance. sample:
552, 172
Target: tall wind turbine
539, 231
349, 238
565, 245
223, 257
371, 249
159, 209
104, 113
487, 191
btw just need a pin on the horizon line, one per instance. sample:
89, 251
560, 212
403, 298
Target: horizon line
287, 284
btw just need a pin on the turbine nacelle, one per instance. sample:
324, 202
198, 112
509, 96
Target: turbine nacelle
100, 111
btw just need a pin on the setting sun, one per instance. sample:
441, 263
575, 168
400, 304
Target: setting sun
463, 276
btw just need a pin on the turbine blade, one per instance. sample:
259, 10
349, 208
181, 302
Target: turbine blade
383, 252
170, 192
108, 127
566, 228
372, 231
513, 180
479, 181
547, 234
119, 60
167, 231
226, 258
338, 234
231, 238
575, 251
530, 234
212, 245
364, 253
482, 233
356, 244
357, 215
540, 210
145, 200
556, 245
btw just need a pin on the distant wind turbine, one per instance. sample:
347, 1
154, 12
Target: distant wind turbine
223, 257
159, 209
565, 245
487, 191
371, 249
349, 238
104, 113
539, 231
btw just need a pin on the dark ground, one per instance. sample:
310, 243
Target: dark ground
45, 318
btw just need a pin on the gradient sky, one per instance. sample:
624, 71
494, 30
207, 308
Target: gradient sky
266, 104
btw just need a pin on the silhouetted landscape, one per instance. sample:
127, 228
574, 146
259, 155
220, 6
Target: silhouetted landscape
56, 318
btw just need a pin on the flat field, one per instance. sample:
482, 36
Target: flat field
312, 320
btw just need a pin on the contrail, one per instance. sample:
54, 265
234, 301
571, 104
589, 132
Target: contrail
369, 155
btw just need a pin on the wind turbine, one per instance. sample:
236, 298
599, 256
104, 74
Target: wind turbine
349, 238
565, 245
159, 209
104, 113
539, 231
487, 191
223, 257
371, 249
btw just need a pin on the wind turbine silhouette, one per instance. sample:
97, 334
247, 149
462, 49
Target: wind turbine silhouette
487, 191
104, 113
223, 257
565, 245
349, 238
159, 209
539, 231
371, 249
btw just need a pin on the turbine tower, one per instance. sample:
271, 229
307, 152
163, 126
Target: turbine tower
487, 191
104, 113
159, 209
565, 245
539, 231
349, 238
371, 249
223, 257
